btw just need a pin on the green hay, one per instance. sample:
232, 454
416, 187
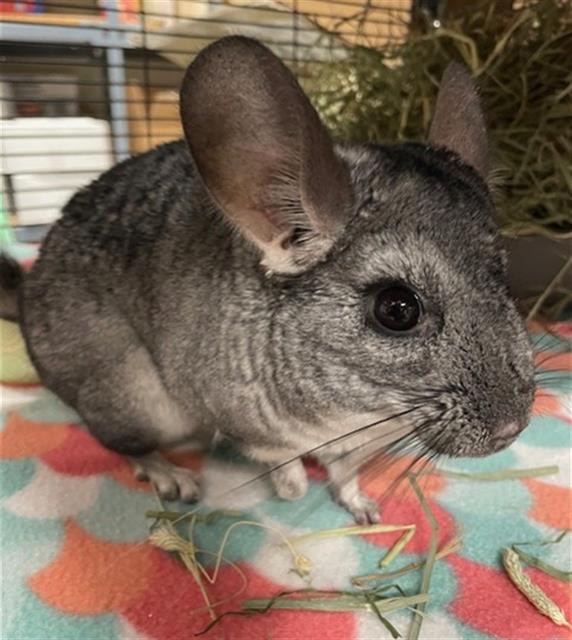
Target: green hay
534, 561
523, 63
429, 561
503, 474
368, 594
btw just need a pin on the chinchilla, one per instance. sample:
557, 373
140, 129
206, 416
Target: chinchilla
262, 284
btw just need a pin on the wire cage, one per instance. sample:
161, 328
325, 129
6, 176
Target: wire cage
87, 83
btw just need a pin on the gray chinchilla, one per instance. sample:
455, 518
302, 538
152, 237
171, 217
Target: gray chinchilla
260, 283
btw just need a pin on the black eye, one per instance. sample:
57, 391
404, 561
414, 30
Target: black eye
396, 308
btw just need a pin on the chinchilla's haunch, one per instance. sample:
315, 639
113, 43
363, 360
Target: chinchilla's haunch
263, 284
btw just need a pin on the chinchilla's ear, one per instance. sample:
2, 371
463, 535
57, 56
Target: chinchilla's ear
263, 153
458, 122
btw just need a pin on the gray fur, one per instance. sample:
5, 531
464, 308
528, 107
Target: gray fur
10, 283
150, 315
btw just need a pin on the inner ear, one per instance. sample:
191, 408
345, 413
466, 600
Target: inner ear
458, 122
263, 153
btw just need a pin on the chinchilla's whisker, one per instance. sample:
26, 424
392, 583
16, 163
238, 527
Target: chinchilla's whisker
442, 440
552, 354
426, 454
320, 447
547, 373
558, 381
383, 462
544, 337
383, 457
539, 347
379, 461
427, 469
390, 450
419, 466
309, 505
397, 486
396, 447
387, 454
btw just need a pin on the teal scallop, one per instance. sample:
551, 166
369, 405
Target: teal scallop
316, 510
20, 563
502, 460
547, 431
48, 408
38, 621
549, 342
118, 514
484, 542
15, 475
27, 546
443, 587
490, 519
18, 532
485, 499
243, 543
559, 383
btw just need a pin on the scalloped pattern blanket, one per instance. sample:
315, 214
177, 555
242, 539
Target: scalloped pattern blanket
76, 563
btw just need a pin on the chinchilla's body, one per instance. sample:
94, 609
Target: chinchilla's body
356, 283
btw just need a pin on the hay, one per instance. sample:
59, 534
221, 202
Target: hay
429, 561
533, 593
364, 597
523, 63
499, 476
534, 561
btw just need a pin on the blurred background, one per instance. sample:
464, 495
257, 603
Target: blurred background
87, 83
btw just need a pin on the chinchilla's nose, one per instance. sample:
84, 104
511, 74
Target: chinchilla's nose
506, 433
509, 430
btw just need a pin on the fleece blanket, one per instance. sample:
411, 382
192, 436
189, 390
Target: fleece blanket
76, 562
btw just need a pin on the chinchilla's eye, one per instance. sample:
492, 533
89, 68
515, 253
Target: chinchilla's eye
396, 309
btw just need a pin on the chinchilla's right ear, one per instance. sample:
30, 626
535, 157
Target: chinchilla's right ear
263, 153
459, 122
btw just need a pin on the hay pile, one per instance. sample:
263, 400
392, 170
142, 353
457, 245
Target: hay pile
523, 63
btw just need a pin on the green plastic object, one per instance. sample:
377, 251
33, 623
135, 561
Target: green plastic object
7, 236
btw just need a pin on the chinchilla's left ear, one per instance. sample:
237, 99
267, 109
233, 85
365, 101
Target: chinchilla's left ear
459, 123
263, 154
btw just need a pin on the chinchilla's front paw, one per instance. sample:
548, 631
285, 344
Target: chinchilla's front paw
363, 509
290, 481
170, 481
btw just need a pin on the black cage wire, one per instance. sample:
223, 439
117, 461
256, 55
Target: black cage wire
87, 83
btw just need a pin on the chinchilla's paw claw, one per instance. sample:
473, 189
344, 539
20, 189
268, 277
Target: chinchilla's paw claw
170, 481
363, 509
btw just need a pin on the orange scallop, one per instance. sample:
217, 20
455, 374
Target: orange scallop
124, 475
188, 459
22, 438
545, 403
551, 504
535, 326
91, 576
389, 477
554, 360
